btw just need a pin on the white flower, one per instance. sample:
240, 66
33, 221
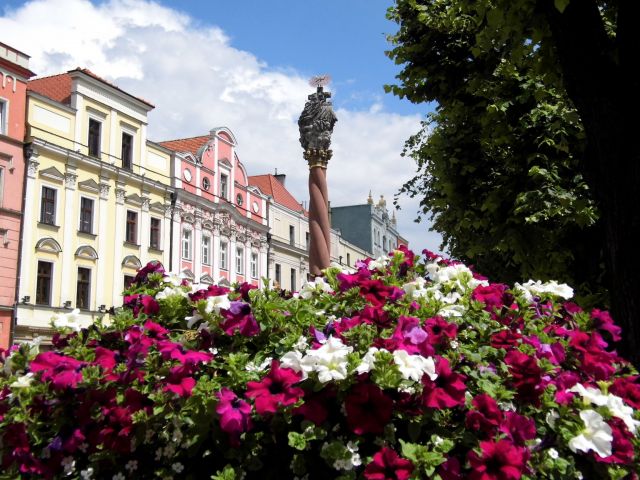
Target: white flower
416, 288
531, 289
368, 361
177, 467
329, 361
302, 344
553, 453
119, 476
216, 302
23, 381
317, 285
192, 320
292, 360
412, 367
86, 474
68, 320
131, 466
171, 292
551, 418
592, 395
379, 263
451, 311
624, 412
68, 463
596, 436
252, 367
174, 279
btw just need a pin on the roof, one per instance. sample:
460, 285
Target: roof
191, 145
270, 185
58, 87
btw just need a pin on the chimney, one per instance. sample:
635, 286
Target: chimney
281, 177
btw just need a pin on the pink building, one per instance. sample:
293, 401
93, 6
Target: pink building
14, 73
220, 222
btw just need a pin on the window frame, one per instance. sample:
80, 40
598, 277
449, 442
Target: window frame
224, 255
87, 292
128, 278
49, 286
131, 231
254, 265
224, 186
292, 235
293, 278
90, 144
158, 232
80, 226
186, 240
53, 202
4, 116
206, 249
129, 164
278, 273
240, 260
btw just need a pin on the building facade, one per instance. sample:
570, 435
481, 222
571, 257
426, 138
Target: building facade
220, 222
368, 226
14, 74
289, 236
97, 199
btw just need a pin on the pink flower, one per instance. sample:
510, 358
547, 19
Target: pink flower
210, 291
505, 339
526, 376
499, 460
447, 391
518, 428
439, 330
368, 409
275, 390
621, 447
235, 414
63, 372
628, 388
602, 321
378, 294
450, 470
149, 305
493, 296
387, 465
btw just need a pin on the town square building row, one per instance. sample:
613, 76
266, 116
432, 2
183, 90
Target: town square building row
86, 198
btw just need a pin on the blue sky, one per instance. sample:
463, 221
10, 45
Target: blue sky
245, 65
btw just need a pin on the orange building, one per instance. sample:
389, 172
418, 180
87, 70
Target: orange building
14, 73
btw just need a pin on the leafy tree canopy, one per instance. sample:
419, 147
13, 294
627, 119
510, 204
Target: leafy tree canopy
498, 161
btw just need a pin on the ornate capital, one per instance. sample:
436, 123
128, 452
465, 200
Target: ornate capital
145, 204
32, 167
104, 191
317, 157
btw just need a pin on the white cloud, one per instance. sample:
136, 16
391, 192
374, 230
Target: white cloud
198, 81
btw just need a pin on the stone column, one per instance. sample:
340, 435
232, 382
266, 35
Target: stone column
68, 249
316, 125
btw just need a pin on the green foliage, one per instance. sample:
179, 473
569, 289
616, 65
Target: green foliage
498, 159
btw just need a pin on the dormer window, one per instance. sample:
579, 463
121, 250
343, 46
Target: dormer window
127, 151
94, 137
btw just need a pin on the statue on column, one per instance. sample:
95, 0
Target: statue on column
316, 126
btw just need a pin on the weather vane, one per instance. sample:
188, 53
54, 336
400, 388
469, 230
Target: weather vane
320, 80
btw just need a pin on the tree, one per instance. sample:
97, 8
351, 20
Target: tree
529, 164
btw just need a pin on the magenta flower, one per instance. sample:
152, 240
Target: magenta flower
450, 470
602, 321
180, 381
238, 318
439, 330
486, 416
275, 390
148, 269
628, 388
210, 291
493, 296
378, 294
446, 391
235, 414
149, 305
526, 376
518, 428
63, 372
499, 460
388, 465
368, 409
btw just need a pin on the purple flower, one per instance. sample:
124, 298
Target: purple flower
235, 414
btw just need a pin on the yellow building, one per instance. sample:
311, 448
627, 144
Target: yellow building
97, 199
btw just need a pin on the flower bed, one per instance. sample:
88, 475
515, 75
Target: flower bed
404, 368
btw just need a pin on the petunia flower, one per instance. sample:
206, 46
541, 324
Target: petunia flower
368, 409
596, 435
235, 414
388, 465
501, 460
275, 390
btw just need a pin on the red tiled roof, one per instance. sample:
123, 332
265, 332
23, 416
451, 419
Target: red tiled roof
58, 87
269, 185
191, 145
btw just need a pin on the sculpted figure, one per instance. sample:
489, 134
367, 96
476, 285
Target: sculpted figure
316, 122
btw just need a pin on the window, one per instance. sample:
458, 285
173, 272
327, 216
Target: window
83, 288
206, 249
154, 233
205, 183
48, 206
293, 279
254, 265
94, 137
186, 244
132, 227
240, 260
86, 215
348, 259
1, 185
3, 117
128, 280
224, 254
127, 150
43, 283
224, 186
278, 275
292, 235
307, 239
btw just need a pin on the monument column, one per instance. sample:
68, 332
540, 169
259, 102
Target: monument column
316, 125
